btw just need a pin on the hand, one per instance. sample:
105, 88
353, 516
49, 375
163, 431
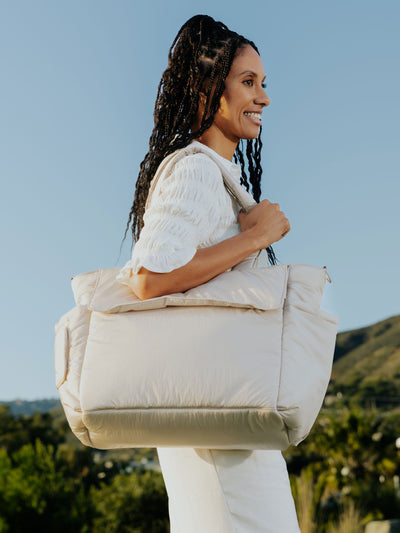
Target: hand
266, 222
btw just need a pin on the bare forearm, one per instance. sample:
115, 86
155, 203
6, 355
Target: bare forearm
206, 264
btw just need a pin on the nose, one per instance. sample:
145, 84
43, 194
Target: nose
262, 98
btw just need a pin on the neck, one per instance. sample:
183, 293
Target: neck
215, 140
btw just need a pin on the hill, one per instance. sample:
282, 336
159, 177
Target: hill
367, 362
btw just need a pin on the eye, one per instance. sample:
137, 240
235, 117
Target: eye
250, 83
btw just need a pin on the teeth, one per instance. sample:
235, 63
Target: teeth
254, 115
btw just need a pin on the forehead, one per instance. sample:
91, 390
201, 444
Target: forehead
247, 59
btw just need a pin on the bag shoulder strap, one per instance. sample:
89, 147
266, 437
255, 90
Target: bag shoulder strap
244, 199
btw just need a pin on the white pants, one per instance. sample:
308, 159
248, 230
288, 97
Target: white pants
228, 491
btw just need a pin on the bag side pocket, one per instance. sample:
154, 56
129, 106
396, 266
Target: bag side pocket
307, 356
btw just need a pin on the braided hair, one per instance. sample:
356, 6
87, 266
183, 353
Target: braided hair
199, 60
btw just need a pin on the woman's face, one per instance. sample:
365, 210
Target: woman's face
244, 97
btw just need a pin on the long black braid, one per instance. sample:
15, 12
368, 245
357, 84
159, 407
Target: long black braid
201, 54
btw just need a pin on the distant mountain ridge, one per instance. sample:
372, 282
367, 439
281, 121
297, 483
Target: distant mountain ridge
366, 365
26, 407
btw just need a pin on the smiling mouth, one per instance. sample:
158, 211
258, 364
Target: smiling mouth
255, 116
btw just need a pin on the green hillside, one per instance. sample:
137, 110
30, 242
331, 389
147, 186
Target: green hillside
367, 363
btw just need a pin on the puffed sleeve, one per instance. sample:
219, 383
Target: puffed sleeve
184, 211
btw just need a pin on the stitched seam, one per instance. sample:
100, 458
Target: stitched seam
183, 408
281, 365
95, 288
84, 351
81, 375
281, 368
283, 325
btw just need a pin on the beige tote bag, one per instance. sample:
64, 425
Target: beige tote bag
240, 362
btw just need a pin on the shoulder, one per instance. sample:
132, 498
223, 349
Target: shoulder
195, 181
197, 163
193, 172
196, 170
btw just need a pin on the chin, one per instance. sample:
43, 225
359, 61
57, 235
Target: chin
250, 133
248, 136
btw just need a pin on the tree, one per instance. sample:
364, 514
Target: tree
132, 504
351, 454
16, 431
35, 494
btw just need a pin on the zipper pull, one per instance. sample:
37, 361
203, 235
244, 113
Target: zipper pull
327, 274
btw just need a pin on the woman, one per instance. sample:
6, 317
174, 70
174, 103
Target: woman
211, 94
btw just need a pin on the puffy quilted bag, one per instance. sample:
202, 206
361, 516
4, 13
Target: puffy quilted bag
240, 362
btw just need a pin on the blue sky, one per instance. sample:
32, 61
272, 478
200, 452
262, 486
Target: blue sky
78, 83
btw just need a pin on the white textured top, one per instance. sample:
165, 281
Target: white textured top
190, 209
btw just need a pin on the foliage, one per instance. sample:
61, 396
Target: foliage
17, 431
303, 490
35, 494
132, 504
350, 456
49, 485
344, 474
349, 521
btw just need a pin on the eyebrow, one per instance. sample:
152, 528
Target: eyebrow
251, 72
